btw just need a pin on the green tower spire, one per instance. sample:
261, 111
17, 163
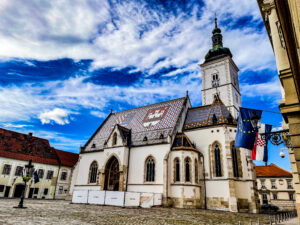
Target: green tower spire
217, 50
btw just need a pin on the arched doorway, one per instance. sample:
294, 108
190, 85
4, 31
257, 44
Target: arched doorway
18, 190
112, 175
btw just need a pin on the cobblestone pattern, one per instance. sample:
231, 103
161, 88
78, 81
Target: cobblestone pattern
62, 212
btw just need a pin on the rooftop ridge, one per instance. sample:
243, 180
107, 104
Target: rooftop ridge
11, 131
175, 99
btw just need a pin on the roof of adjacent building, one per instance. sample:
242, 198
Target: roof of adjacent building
67, 158
151, 121
272, 170
25, 146
213, 114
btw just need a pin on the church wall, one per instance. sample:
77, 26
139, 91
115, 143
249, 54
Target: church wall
205, 137
138, 157
182, 193
121, 153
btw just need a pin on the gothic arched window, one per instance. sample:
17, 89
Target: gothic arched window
177, 169
187, 170
150, 169
196, 171
235, 164
217, 154
93, 172
114, 139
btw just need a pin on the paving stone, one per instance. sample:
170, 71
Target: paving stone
63, 213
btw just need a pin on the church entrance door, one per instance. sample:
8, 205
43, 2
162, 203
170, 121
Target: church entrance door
112, 175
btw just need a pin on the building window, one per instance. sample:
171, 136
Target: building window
31, 171
49, 174
196, 171
289, 184
60, 190
19, 171
63, 176
93, 172
265, 198
273, 184
115, 138
45, 191
291, 196
275, 196
215, 80
36, 191
263, 184
6, 169
187, 170
150, 169
177, 169
235, 161
41, 173
217, 155
2, 188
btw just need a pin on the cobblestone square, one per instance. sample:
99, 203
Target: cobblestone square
62, 212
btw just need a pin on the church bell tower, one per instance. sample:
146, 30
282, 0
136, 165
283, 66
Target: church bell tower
220, 75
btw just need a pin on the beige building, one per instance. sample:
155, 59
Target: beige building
275, 186
67, 161
54, 167
282, 21
15, 151
184, 153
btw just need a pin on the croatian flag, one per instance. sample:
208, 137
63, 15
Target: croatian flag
260, 149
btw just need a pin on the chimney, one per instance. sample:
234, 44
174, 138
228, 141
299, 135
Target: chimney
30, 134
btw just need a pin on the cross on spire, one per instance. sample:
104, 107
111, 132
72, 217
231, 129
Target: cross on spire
216, 21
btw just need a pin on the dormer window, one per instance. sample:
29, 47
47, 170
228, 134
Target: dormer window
215, 80
114, 139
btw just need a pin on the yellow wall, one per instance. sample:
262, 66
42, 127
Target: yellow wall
12, 180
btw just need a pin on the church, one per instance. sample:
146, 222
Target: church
185, 153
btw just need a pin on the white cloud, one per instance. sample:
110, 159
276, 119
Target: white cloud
129, 33
65, 97
57, 115
99, 114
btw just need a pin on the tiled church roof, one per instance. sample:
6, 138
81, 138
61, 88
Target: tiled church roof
24, 147
67, 158
151, 121
213, 114
272, 170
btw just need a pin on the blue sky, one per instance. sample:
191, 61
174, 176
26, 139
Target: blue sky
64, 64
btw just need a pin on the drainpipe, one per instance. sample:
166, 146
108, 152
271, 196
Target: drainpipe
205, 203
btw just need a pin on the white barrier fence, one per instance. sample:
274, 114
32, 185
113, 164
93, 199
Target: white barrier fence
117, 198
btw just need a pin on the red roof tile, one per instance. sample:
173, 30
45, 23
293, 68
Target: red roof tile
272, 170
67, 158
24, 147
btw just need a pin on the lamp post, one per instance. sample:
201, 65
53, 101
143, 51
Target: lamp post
26, 178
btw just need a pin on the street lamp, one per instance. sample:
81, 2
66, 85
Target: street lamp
26, 178
275, 137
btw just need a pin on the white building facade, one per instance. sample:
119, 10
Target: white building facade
185, 153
